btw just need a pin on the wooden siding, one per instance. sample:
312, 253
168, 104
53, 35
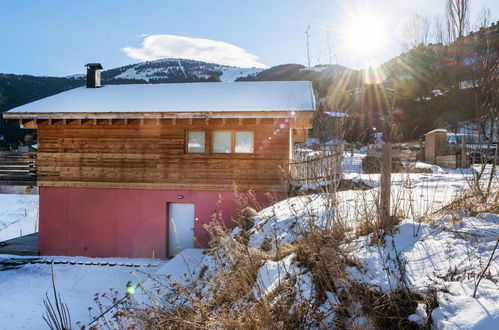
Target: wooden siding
17, 169
150, 153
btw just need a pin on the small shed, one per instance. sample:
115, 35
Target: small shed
435, 145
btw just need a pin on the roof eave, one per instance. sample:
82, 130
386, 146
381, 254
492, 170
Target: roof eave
161, 115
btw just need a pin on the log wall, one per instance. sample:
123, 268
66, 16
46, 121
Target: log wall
151, 153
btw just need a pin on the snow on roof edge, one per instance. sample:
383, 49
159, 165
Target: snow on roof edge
265, 96
312, 95
438, 130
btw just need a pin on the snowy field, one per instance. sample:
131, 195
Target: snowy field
18, 215
23, 289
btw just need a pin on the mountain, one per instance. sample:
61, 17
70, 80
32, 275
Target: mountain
297, 72
16, 90
172, 70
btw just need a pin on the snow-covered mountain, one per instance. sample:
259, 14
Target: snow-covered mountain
173, 70
16, 90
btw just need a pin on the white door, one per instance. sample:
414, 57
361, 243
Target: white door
181, 227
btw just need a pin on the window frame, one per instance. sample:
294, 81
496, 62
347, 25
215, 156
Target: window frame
209, 140
253, 138
213, 142
187, 142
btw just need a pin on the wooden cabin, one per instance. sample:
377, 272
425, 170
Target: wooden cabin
138, 170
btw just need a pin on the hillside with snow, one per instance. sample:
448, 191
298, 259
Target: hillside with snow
173, 70
318, 262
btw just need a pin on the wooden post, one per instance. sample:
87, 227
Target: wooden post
421, 150
464, 156
385, 181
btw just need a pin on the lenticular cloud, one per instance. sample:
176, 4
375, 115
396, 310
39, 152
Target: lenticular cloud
160, 46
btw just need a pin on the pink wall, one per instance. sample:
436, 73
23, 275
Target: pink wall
109, 222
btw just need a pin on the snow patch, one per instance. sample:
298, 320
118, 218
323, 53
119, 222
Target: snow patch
18, 215
336, 114
420, 315
272, 274
230, 74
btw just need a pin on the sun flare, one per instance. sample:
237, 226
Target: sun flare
365, 36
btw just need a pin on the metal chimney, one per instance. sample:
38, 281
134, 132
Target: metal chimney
93, 75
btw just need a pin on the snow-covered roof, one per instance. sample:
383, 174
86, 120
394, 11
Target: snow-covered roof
181, 97
438, 130
336, 114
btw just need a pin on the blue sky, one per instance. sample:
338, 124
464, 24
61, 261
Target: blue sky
57, 37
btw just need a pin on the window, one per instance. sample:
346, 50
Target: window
195, 142
244, 142
222, 142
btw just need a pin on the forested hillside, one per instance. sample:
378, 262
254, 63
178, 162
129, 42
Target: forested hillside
16, 90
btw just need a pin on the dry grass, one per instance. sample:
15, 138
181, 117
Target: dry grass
390, 310
474, 203
378, 228
227, 301
222, 297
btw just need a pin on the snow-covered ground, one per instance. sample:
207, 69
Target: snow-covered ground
352, 163
176, 270
413, 195
444, 256
18, 215
427, 251
23, 289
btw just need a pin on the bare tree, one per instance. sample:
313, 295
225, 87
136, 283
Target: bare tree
416, 31
483, 18
457, 17
488, 77
307, 34
319, 55
328, 43
439, 30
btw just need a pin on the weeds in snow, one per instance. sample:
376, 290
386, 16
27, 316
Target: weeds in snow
57, 314
327, 260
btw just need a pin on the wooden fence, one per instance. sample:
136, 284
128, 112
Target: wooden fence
17, 169
316, 166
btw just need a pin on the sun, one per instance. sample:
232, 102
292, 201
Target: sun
365, 34
364, 37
